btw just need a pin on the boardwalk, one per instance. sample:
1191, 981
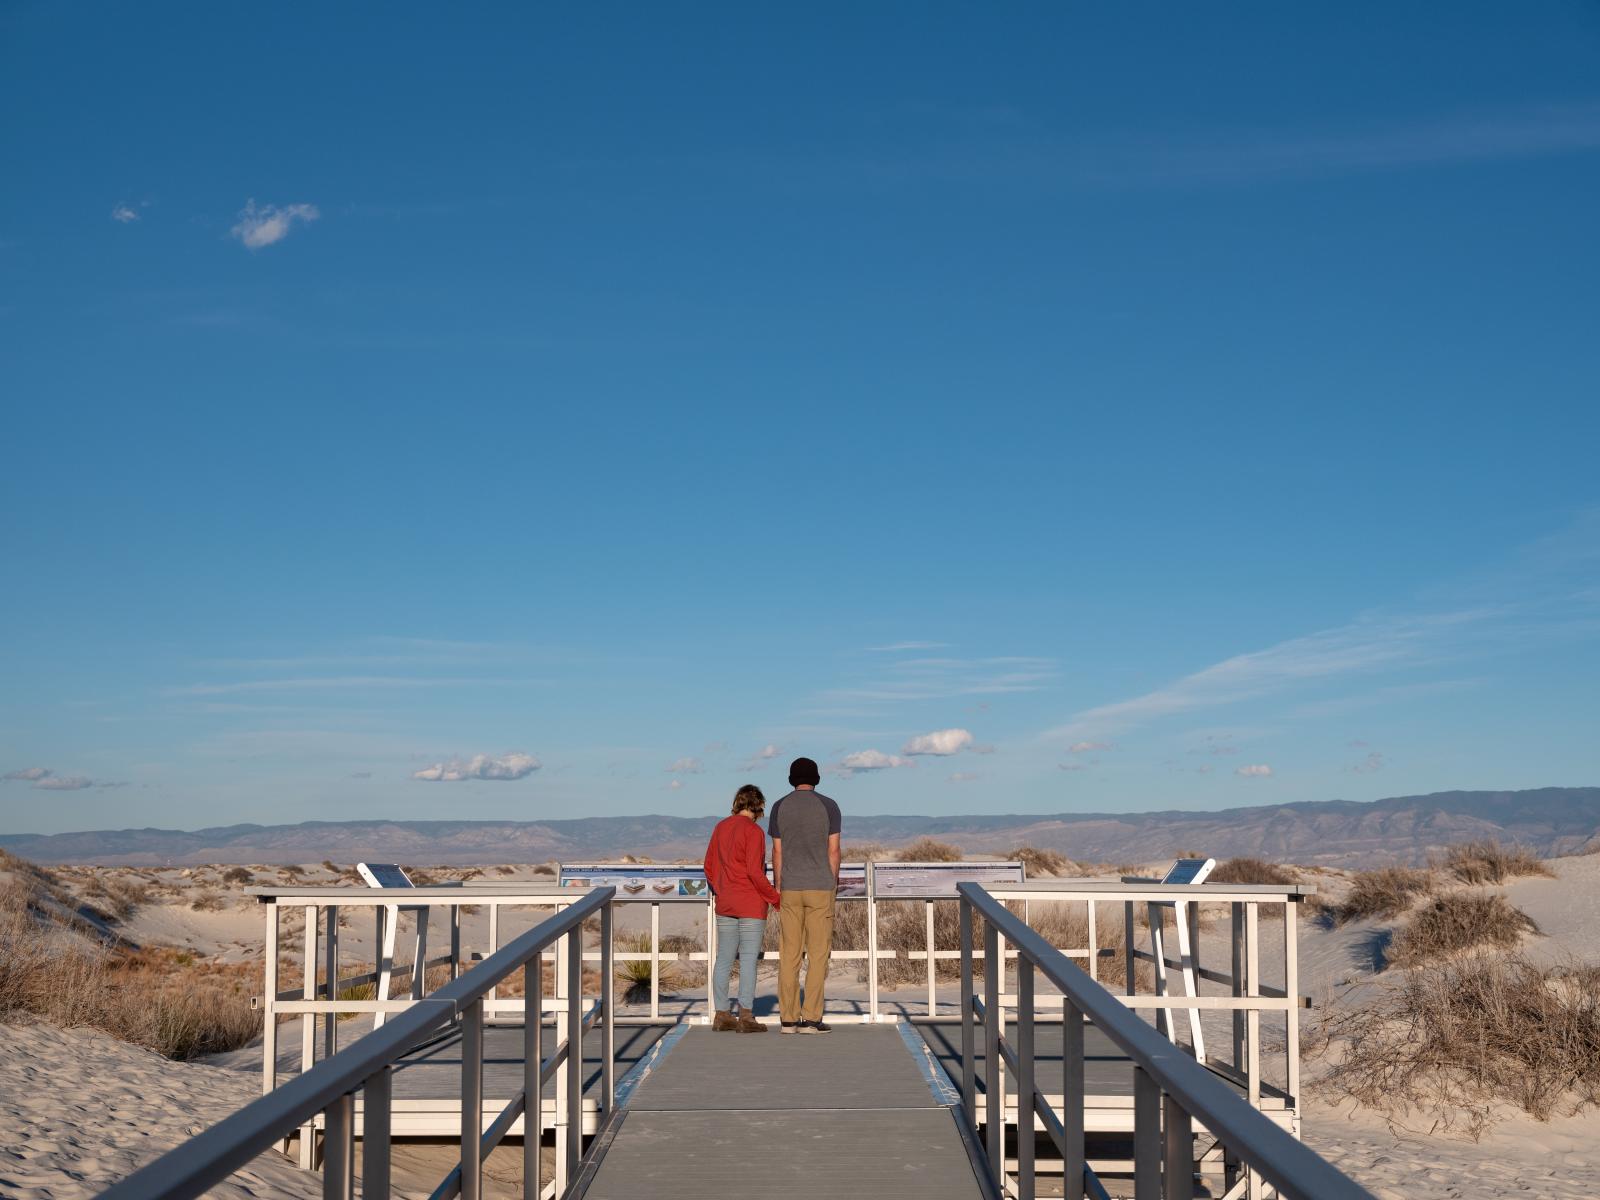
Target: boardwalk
859, 1111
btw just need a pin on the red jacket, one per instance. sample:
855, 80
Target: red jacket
736, 867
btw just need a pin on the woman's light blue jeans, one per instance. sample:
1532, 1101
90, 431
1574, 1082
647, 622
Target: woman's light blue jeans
741, 936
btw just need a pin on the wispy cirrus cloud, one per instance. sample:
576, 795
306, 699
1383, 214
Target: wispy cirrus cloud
124, 214
1253, 771
263, 225
930, 678
1371, 763
1362, 646
47, 780
1087, 747
687, 765
515, 765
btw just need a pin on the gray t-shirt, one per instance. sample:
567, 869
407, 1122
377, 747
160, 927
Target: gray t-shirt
803, 821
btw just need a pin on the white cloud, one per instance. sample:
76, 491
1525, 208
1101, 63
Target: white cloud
940, 742
871, 760
1253, 771
28, 773
64, 783
1369, 764
123, 214
515, 765
1087, 747
267, 224
764, 755
686, 766
675, 785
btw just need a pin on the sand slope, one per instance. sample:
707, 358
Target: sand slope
79, 1110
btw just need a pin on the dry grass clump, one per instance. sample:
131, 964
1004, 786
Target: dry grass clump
1386, 892
928, 850
238, 875
864, 852
160, 999
1252, 870
1455, 922
1457, 1041
1490, 862
1036, 861
208, 900
634, 973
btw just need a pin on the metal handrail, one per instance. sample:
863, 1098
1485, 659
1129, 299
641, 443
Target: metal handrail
1171, 1089
367, 1065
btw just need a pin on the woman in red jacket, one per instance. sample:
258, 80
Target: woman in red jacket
736, 868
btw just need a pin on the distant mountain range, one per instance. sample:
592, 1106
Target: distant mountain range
1334, 832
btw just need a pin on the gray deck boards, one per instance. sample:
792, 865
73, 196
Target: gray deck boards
786, 1118
892, 1154
854, 1067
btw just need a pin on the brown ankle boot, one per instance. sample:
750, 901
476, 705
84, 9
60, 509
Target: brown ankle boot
748, 1024
723, 1022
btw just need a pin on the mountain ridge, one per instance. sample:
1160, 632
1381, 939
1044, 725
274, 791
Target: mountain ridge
1552, 820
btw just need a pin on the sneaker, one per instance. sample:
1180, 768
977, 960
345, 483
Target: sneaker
788, 1027
815, 1027
723, 1022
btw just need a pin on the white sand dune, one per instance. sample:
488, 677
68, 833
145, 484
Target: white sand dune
80, 1110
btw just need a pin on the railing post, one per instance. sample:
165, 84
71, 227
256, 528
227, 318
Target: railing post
574, 1148
994, 1068
608, 1066
269, 1016
1178, 1169
471, 1101
872, 942
933, 995
655, 960
532, 1072
338, 1157
1025, 1087
376, 1100
1127, 947
308, 1031
1073, 1157
969, 1088
1146, 1136
330, 1029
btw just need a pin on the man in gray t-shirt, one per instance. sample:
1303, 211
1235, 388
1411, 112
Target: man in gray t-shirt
805, 829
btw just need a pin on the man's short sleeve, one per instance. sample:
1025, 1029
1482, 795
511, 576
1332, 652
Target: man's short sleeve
835, 822
772, 820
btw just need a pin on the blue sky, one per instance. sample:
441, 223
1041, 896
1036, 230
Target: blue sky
533, 414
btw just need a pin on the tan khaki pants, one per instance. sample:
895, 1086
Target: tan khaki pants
805, 925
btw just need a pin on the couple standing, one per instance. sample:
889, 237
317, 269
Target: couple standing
805, 880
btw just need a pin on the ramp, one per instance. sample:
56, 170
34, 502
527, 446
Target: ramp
786, 1117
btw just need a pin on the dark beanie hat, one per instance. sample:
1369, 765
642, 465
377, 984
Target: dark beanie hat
803, 770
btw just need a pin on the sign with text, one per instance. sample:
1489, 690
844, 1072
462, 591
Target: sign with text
921, 881
638, 881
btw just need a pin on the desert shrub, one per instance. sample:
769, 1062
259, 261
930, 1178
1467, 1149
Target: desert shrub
1490, 862
687, 973
1252, 870
541, 869
865, 852
928, 850
207, 901
509, 870
1386, 892
1455, 1042
1455, 922
238, 875
1038, 861
171, 1004
634, 974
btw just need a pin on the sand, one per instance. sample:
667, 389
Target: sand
80, 1110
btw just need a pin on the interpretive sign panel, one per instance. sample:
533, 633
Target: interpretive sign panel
383, 875
638, 881
852, 879
920, 881
1190, 870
